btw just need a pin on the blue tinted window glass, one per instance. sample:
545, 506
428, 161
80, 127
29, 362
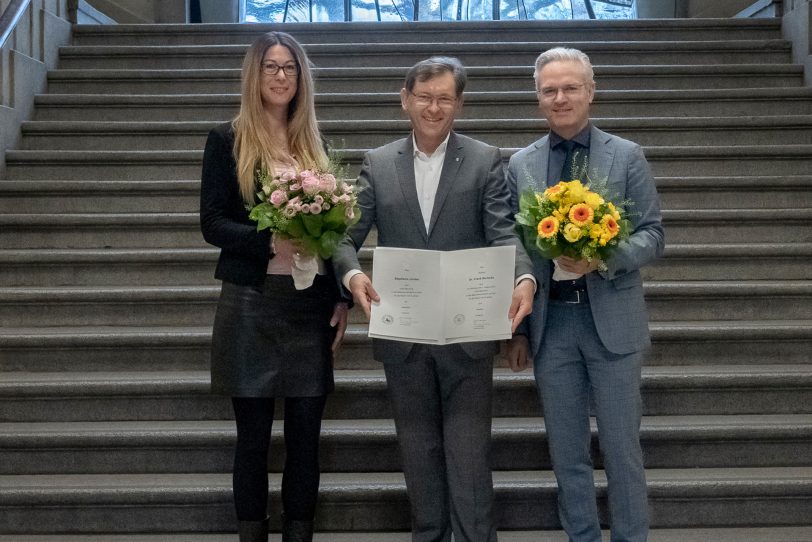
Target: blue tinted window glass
434, 10
535, 9
328, 11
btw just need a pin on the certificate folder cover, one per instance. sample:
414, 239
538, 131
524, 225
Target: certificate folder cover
442, 297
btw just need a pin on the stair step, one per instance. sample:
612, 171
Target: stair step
185, 266
111, 267
390, 79
730, 192
173, 230
100, 349
194, 305
666, 161
382, 106
736, 225
495, 31
743, 497
728, 300
109, 306
104, 165
371, 445
108, 267
470, 53
81, 196
102, 230
719, 534
184, 395
693, 161
509, 132
741, 343
756, 261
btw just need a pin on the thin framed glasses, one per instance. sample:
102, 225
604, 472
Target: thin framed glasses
443, 102
549, 93
272, 68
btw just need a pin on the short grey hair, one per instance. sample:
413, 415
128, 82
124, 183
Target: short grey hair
564, 54
437, 65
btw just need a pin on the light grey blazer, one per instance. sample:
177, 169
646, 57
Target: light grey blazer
616, 295
471, 210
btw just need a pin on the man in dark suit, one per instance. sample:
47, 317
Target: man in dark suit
438, 190
587, 334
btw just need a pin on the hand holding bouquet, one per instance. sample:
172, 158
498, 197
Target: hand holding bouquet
569, 219
312, 208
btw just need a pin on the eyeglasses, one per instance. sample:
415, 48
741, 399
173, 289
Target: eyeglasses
425, 100
550, 93
271, 68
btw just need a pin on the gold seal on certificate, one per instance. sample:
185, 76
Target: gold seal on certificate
442, 297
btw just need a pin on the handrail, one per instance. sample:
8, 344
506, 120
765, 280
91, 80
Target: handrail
11, 16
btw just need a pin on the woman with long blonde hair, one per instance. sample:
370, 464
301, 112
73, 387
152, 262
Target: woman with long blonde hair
270, 339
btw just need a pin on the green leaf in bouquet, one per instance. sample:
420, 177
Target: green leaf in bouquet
334, 218
588, 252
328, 243
256, 211
261, 215
527, 199
309, 244
312, 224
547, 250
525, 219
264, 222
295, 229
625, 227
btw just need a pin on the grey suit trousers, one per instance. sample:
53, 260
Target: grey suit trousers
442, 404
572, 369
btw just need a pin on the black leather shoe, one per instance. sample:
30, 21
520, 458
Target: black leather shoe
253, 531
296, 530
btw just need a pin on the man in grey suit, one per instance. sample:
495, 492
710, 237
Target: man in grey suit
438, 190
587, 334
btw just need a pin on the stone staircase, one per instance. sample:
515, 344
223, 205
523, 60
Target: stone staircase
107, 431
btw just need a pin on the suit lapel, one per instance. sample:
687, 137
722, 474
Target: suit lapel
539, 165
454, 155
404, 168
601, 156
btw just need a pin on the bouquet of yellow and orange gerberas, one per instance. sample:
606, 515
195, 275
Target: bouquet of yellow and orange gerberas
570, 219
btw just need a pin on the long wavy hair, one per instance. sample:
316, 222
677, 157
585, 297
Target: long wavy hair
253, 144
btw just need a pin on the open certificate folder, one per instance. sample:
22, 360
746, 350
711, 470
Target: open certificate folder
442, 297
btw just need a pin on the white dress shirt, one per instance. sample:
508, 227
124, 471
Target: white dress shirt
427, 170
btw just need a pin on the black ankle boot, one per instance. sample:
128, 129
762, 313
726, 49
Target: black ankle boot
254, 531
296, 530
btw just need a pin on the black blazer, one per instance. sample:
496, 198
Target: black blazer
223, 217
224, 221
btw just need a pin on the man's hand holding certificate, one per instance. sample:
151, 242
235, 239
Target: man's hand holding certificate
442, 297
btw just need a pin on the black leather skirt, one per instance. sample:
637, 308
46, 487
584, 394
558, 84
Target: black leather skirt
273, 340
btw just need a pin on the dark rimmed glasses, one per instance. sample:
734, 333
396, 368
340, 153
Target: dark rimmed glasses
272, 68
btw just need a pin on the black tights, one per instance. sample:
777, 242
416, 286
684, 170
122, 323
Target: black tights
300, 481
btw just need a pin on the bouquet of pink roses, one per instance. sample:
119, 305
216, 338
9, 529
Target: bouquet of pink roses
312, 208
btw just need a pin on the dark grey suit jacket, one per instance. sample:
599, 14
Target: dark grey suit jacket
615, 296
471, 210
